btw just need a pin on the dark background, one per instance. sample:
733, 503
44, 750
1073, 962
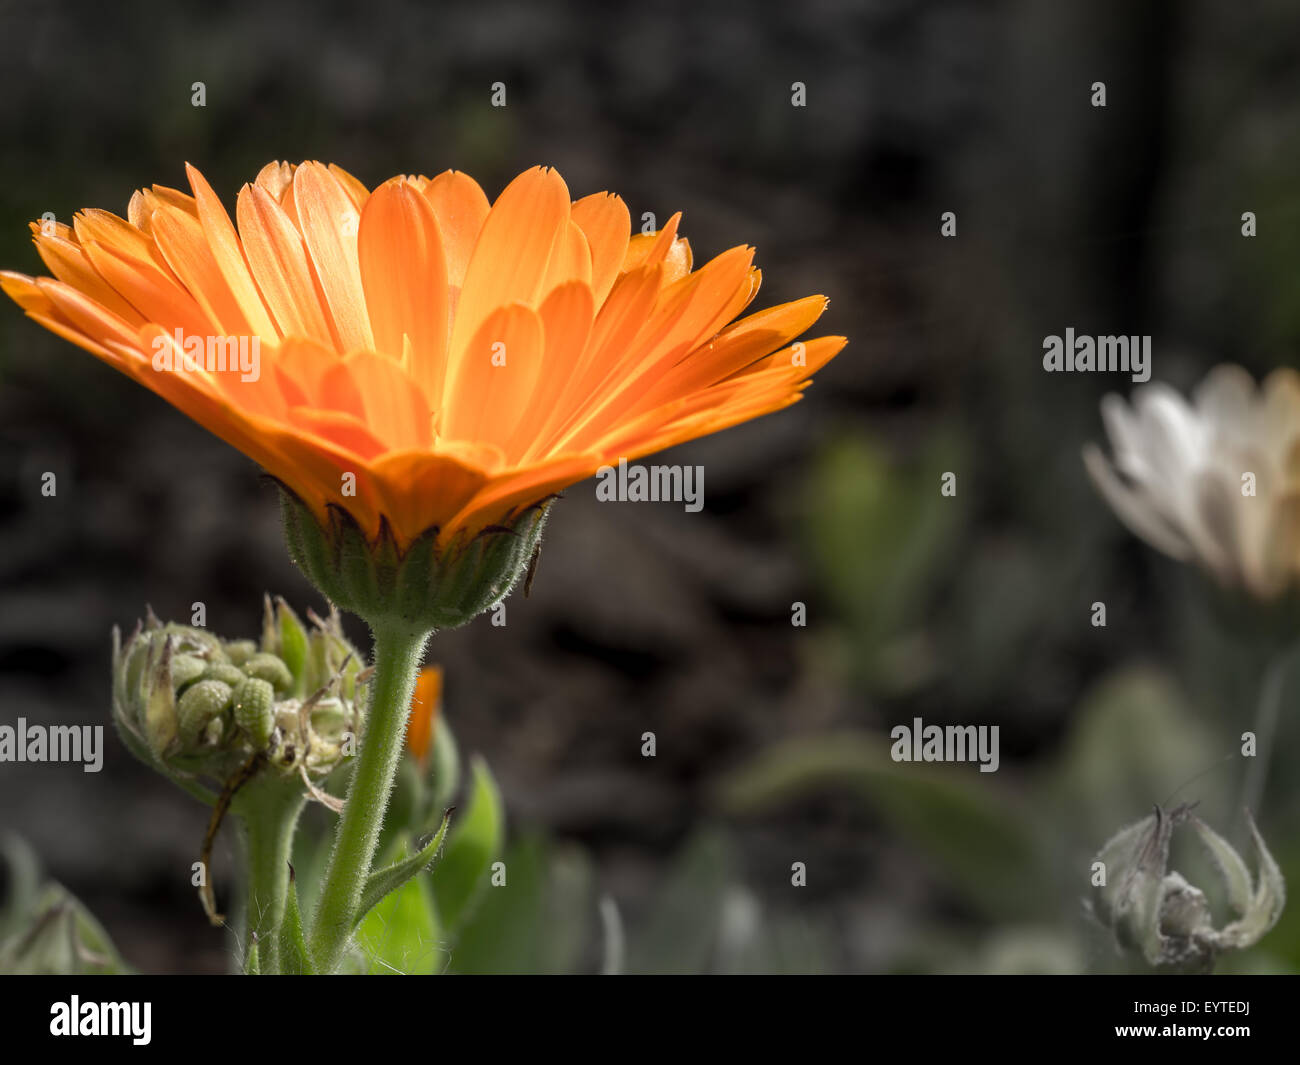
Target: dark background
1121, 219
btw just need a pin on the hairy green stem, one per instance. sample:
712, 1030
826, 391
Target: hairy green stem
397, 656
269, 812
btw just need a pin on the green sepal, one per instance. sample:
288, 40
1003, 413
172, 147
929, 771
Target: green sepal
285, 636
383, 882
423, 587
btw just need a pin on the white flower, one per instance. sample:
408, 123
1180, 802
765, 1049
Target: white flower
1215, 481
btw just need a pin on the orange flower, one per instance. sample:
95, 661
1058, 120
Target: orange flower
459, 360
425, 704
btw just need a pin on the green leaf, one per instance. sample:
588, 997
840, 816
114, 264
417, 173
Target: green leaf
446, 763
537, 921
983, 844
878, 532
23, 882
681, 935
60, 937
383, 881
1134, 743
294, 958
472, 847
401, 934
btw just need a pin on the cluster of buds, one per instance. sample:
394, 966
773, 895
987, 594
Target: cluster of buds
192, 704
1160, 915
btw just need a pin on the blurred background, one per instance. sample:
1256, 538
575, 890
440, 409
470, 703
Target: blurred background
772, 739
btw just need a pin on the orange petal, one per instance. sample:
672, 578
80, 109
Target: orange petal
277, 258
799, 361
421, 490
68, 262
393, 404
687, 312
620, 319
492, 382
300, 369
566, 324
357, 192
329, 221
107, 229
25, 292
276, 178
736, 348
513, 251
180, 238
519, 488
405, 279
341, 428
570, 261
461, 209
229, 254
158, 296
605, 220
646, 249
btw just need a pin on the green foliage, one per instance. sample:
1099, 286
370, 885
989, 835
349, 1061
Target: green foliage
877, 532
44, 929
977, 837
538, 920
475, 842
401, 935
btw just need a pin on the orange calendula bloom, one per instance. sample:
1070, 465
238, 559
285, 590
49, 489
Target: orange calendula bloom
425, 359
425, 704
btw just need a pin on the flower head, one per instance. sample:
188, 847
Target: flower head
188, 702
1216, 480
424, 360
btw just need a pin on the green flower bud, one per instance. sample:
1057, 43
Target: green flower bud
191, 704
239, 651
186, 668
269, 668
254, 702
226, 673
1160, 915
201, 703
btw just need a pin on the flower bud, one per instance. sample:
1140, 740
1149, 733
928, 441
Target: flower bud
1160, 915
202, 703
190, 703
254, 702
